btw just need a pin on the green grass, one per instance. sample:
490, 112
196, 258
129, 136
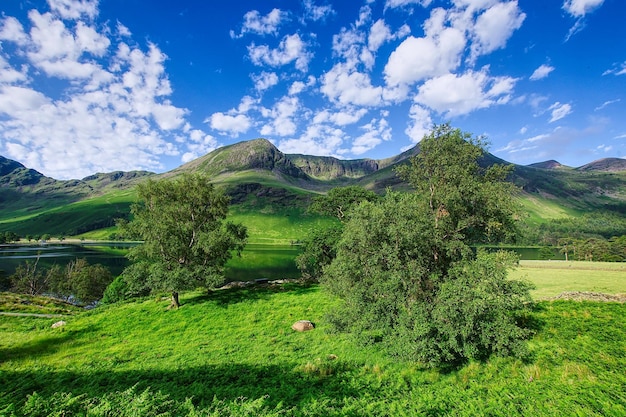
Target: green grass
233, 353
18, 303
279, 226
554, 277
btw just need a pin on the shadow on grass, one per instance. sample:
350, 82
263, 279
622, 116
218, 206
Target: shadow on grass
225, 297
286, 385
43, 346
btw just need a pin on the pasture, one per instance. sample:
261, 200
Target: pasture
232, 352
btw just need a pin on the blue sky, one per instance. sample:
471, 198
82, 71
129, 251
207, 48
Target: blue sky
96, 86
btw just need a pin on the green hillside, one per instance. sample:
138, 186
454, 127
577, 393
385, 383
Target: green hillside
233, 353
264, 182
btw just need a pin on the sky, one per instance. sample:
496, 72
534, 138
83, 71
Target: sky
92, 86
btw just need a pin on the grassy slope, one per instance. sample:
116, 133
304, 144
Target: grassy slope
554, 277
236, 347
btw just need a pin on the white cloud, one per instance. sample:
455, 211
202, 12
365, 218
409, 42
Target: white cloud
12, 30
343, 117
417, 59
559, 111
455, 95
198, 144
380, 33
74, 9
110, 109
344, 86
318, 139
299, 86
291, 49
391, 4
282, 117
607, 103
542, 72
618, 69
376, 131
579, 8
264, 80
228, 124
254, 22
494, 27
315, 13
420, 123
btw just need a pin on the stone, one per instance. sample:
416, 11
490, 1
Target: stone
303, 326
59, 324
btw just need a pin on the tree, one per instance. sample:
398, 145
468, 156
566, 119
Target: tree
186, 240
81, 282
405, 268
319, 246
339, 201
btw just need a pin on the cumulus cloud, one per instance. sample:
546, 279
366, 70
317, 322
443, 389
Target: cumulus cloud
345, 86
559, 111
315, 13
254, 22
437, 53
110, 109
198, 144
455, 95
420, 123
281, 117
391, 4
542, 72
74, 9
580, 8
494, 27
264, 80
291, 49
375, 132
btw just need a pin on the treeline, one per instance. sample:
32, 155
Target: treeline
594, 249
9, 237
77, 282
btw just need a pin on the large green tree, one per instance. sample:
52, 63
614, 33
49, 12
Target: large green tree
186, 239
406, 270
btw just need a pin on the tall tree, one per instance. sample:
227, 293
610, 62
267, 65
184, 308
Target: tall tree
186, 240
406, 270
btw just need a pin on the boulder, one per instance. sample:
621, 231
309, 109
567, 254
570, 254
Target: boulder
303, 326
58, 324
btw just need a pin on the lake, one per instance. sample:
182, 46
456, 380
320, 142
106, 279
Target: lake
256, 261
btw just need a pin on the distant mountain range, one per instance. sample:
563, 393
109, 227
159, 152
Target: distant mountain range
257, 169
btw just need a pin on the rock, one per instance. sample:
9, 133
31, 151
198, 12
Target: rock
303, 326
58, 324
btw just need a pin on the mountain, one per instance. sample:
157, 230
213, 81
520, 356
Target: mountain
258, 176
605, 165
551, 164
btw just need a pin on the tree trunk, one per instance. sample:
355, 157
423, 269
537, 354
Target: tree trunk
175, 302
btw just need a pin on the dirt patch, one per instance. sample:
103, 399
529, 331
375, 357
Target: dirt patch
590, 296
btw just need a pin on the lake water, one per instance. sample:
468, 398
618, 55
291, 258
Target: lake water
256, 261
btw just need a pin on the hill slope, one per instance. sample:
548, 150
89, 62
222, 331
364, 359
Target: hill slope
258, 176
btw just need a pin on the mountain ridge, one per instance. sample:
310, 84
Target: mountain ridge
258, 175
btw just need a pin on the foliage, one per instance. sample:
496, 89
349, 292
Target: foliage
239, 357
401, 262
78, 281
31, 280
8, 237
318, 251
339, 201
186, 240
319, 247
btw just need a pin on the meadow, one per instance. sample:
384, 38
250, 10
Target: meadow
232, 352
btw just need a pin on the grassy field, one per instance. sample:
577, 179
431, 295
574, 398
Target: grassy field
232, 352
554, 277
